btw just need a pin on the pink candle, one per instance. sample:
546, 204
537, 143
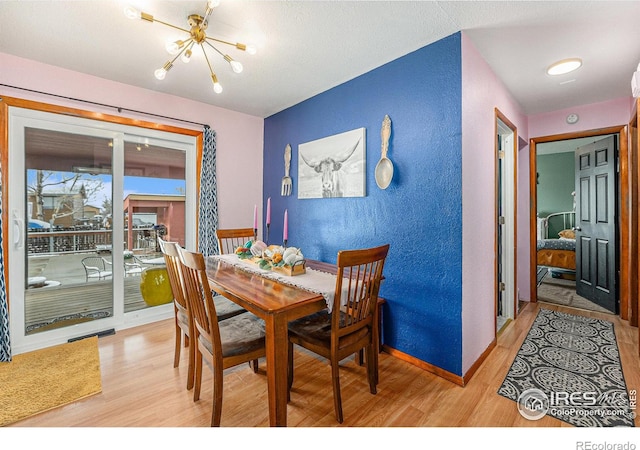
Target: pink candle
269, 211
285, 232
255, 217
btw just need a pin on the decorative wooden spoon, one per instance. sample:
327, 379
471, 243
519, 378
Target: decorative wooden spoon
384, 168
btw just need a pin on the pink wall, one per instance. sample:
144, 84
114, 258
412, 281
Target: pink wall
481, 93
592, 116
239, 136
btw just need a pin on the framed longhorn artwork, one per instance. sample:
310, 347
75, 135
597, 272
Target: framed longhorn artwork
333, 166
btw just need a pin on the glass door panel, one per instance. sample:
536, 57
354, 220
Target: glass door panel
153, 206
69, 270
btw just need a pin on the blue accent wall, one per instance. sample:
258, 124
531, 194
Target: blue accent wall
419, 214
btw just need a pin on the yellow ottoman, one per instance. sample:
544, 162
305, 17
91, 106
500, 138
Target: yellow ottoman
155, 287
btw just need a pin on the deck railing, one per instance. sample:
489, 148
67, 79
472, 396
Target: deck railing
75, 241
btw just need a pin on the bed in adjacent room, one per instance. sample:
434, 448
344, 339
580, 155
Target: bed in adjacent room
557, 252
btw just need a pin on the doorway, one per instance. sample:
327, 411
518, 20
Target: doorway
73, 272
621, 219
506, 163
575, 178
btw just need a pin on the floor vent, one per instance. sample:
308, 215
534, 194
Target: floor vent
99, 334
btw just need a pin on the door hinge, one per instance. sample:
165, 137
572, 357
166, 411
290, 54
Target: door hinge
501, 154
500, 220
502, 286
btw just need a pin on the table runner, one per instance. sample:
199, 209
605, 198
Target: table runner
316, 281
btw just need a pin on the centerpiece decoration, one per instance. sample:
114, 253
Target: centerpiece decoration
286, 260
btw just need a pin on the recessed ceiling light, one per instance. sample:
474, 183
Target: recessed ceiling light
564, 66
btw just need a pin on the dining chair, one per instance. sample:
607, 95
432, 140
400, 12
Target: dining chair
231, 238
225, 308
352, 323
182, 316
222, 344
228, 240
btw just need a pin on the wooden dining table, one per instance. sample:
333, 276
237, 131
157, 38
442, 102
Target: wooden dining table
277, 304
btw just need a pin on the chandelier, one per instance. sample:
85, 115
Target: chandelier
197, 35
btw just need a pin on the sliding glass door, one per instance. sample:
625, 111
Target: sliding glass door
87, 202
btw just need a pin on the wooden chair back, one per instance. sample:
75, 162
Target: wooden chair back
361, 271
172, 260
232, 238
183, 321
200, 300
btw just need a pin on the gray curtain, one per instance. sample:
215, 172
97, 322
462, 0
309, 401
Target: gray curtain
208, 214
5, 342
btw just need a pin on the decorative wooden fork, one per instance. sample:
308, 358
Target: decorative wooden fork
287, 184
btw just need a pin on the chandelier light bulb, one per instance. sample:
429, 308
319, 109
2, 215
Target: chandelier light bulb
131, 13
213, 3
160, 73
236, 66
186, 56
251, 49
174, 47
217, 87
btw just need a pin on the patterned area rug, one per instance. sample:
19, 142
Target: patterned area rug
569, 367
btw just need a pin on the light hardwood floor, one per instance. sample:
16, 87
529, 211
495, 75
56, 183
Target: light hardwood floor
142, 389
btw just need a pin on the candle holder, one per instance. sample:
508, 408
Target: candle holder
255, 234
284, 244
267, 237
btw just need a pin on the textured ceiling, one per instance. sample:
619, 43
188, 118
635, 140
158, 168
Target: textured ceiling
307, 47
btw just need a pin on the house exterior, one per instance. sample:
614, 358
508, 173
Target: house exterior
438, 212
168, 210
62, 209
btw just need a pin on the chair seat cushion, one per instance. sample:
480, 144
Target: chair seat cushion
316, 328
240, 334
225, 308
181, 314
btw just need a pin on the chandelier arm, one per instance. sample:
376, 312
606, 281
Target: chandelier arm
213, 47
186, 44
238, 45
170, 63
172, 26
207, 13
207, 59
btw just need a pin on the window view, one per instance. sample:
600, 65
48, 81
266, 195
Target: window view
69, 275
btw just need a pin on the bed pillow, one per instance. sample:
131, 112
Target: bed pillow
567, 234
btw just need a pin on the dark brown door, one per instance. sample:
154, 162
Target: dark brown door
596, 223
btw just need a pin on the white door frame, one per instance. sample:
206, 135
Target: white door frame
506, 132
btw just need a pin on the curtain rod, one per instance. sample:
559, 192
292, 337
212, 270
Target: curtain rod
117, 108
